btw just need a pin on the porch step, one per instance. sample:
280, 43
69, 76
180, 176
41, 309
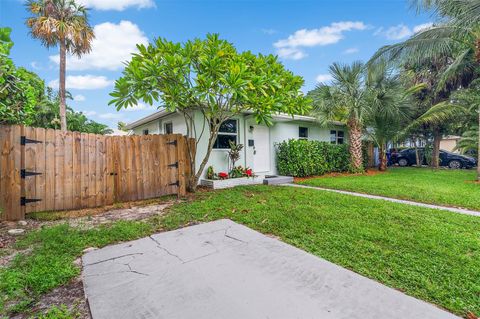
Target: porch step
276, 180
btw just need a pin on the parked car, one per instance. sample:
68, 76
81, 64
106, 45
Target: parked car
407, 157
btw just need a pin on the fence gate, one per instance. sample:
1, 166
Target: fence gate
50, 170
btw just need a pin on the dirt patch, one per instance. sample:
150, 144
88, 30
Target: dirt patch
473, 182
71, 295
369, 172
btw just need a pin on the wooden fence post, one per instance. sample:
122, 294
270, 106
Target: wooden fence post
181, 145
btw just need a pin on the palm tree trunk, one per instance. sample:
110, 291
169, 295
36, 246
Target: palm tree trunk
383, 158
61, 91
437, 137
355, 137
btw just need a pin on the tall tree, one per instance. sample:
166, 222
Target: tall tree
345, 99
63, 23
209, 76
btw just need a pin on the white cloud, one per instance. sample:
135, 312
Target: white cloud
350, 51
79, 98
110, 116
118, 5
322, 78
113, 45
89, 113
139, 107
290, 48
83, 82
422, 27
401, 31
291, 53
35, 65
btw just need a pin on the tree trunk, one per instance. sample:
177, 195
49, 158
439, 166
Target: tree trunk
437, 137
211, 141
61, 91
417, 157
355, 136
382, 154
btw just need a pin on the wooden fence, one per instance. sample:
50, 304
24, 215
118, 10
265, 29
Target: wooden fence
50, 170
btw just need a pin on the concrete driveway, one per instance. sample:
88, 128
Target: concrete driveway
223, 270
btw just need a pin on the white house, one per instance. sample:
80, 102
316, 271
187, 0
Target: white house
258, 140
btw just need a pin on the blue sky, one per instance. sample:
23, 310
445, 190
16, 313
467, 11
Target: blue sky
308, 36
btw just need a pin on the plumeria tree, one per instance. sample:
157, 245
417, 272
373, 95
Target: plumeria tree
211, 77
62, 23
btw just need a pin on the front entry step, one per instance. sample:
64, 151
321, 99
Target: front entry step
276, 180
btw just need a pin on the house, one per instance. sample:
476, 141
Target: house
259, 140
449, 143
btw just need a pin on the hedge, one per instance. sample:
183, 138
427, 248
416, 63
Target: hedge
302, 158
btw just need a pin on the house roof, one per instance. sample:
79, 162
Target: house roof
279, 117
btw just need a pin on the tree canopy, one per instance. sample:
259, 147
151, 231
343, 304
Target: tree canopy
210, 76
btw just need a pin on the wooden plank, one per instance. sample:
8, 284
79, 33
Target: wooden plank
181, 145
92, 190
40, 168
77, 170
146, 160
121, 168
85, 173
131, 170
30, 158
59, 169
99, 169
157, 176
138, 154
18, 212
49, 172
110, 169
4, 151
172, 175
68, 171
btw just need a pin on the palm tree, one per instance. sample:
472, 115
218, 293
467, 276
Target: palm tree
390, 106
455, 37
345, 100
63, 23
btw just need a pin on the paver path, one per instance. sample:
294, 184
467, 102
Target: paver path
224, 270
395, 200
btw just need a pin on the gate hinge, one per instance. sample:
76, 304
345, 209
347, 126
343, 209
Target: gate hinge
173, 165
177, 183
24, 141
24, 201
24, 173
174, 142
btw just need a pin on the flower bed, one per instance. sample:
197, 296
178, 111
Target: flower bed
237, 176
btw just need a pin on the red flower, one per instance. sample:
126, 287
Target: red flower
249, 172
223, 175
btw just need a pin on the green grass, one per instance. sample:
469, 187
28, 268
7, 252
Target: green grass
441, 187
429, 254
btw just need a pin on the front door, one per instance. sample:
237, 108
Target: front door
261, 150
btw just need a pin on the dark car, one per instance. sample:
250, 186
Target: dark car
407, 157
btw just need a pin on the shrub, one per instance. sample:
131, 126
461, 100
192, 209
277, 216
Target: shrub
302, 158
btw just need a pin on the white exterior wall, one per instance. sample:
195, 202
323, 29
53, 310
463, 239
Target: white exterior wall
279, 132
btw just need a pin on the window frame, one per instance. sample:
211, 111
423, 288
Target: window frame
236, 134
299, 132
165, 127
145, 131
335, 139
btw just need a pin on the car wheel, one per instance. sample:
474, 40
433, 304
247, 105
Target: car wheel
454, 164
403, 162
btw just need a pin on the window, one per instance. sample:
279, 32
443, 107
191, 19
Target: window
145, 132
303, 132
228, 132
337, 137
168, 128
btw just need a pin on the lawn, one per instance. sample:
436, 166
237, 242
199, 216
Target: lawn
454, 188
433, 255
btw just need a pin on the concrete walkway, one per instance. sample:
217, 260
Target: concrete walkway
402, 201
224, 270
